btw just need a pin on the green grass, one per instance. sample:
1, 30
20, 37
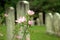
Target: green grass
39, 33
3, 31
36, 32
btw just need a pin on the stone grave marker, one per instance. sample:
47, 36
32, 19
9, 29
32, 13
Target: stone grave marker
56, 23
10, 22
22, 8
41, 18
38, 21
49, 23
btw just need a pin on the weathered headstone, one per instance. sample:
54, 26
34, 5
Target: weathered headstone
56, 23
41, 18
18, 9
26, 6
10, 22
48, 23
22, 8
38, 21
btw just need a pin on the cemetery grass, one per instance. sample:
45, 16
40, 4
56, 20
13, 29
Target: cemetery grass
3, 32
39, 33
36, 32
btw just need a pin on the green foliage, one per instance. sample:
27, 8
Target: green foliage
45, 5
2, 18
7, 3
36, 5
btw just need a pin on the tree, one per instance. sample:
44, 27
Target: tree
45, 5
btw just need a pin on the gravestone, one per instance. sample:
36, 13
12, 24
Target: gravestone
10, 23
38, 21
41, 18
49, 23
22, 8
56, 23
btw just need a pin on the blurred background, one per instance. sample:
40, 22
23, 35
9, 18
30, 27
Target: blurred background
35, 5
